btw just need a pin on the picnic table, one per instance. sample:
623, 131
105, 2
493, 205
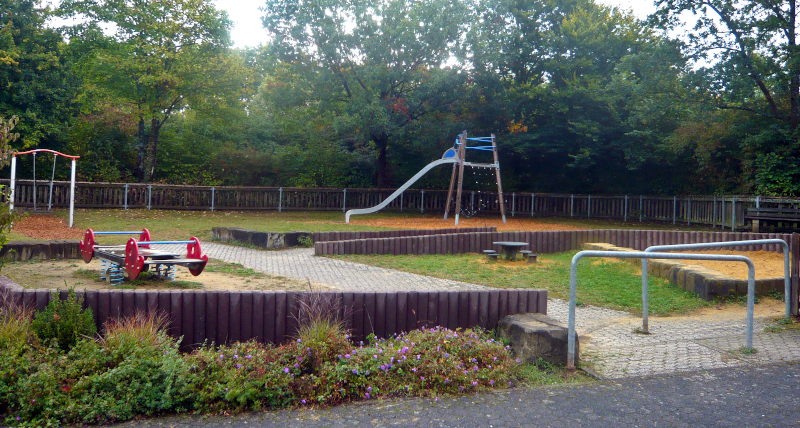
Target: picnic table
510, 248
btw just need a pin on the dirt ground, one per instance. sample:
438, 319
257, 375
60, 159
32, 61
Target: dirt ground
75, 273
512, 223
767, 263
45, 226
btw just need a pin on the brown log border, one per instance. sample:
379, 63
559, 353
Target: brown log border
269, 316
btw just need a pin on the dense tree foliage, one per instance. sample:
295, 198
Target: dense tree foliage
582, 97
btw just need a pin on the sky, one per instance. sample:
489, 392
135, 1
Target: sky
248, 31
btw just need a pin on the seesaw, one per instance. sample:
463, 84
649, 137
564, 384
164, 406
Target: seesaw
137, 256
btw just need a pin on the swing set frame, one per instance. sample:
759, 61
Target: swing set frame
461, 147
55, 154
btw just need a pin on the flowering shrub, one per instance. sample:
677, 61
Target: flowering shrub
136, 369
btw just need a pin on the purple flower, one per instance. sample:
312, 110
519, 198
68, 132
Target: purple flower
303, 401
299, 358
238, 366
466, 372
418, 356
235, 356
491, 382
366, 394
446, 380
517, 359
461, 387
414, 370
347, 356
286, 369
369, 388
340, 356
226, 389
299, 341
297, 366
495, 359
355, 371
375, 356
474, 368
446, 355
221, 357
422, 377
249, 357
474, 382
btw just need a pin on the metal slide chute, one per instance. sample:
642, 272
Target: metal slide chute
449, 157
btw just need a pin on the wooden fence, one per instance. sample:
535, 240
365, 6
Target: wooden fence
269, 316
724, 212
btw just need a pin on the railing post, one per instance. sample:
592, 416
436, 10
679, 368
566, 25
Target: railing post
714, 214
689, 211
533, 204
626, 209
422, 202
344, 200
733, 214
212, 198
11, 193
401, 201
674, 209
280, 199
589, 207
149, 196
125, 204
572, 205
641, 208
758, 202
513, 203
472, 201
722, 224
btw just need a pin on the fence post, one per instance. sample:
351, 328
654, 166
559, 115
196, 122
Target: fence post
674, 209
344, 200
758, 202
401, 201
572, 205
513, 202
422, 202
722, 224
533, 204
212, 198
589, 207
714, 214
472, 201
149, 196
641, 208
626, 209
280, 199
689, 211
733, 214
125, 204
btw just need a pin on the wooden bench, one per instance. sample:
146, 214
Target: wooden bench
785, 218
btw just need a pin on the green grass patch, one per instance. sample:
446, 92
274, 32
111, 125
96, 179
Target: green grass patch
233, 269
605, 283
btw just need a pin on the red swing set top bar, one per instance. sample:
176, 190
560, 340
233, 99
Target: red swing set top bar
46, 151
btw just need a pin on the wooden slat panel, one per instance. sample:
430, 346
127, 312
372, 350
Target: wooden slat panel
223, 317
379, 317
247, 316
281, 312
188, 319
402, 311
200, 318
270, 317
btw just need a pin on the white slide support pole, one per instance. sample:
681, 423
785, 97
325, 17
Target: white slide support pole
72, 195
13, 176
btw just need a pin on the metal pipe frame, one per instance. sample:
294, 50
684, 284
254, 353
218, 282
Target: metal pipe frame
573, 286
787, 281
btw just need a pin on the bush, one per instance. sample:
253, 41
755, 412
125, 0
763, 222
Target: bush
64, 321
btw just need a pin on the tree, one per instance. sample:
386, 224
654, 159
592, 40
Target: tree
36, 81
749, 65
164, 56
375, 66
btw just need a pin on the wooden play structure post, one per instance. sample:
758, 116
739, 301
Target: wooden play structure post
462, 152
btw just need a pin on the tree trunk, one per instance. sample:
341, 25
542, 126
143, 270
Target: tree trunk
141, 151
155, 129
381, 143
794, 81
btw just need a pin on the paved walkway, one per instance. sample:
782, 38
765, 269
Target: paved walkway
608, 341
742, 397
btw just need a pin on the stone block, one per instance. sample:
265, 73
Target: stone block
535, 336
292, 239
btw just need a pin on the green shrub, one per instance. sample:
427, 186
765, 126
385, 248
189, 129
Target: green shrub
64, 321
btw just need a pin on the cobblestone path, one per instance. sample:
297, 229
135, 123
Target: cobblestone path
608, 341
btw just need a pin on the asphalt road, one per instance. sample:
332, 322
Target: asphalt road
755, 396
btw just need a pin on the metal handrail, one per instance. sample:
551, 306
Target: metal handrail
573, 286
787, 281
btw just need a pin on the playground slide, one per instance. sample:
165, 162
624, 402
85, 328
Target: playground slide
402, 189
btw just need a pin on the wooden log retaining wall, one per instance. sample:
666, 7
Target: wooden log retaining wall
724, 212
343, 236
269, 316
542, 242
